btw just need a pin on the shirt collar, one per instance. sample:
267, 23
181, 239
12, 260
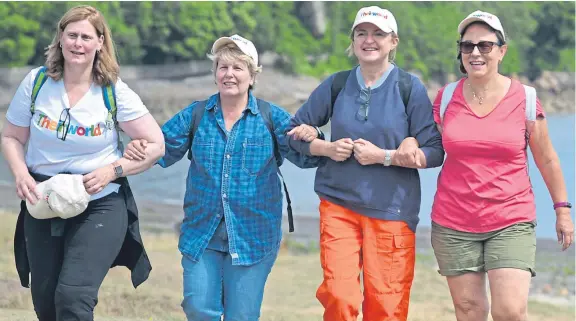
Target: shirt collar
214, 101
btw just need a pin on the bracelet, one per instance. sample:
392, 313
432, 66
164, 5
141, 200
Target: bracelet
562, 204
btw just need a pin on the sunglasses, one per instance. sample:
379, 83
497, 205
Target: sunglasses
365, 103
63, 124
466, 47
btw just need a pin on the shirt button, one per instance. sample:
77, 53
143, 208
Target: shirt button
225, 175
218, 215
223, 195
228, 156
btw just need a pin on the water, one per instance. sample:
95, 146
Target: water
166, 186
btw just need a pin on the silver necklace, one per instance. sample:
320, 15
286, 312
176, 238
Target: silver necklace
477, 97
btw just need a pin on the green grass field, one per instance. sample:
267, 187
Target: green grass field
290, 292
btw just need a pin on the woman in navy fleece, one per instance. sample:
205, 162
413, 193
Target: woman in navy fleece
369, 202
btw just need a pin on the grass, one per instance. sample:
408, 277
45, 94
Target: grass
290, 292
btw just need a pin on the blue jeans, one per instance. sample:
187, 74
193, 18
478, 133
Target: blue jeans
214, 287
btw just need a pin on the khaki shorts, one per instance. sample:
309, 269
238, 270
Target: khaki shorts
462, 252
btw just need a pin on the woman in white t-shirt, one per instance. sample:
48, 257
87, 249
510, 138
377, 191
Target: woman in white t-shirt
70, 129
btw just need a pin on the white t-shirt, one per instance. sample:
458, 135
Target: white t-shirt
89, 144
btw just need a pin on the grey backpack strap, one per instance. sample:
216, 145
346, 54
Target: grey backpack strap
530, 111
446, 97
530, 103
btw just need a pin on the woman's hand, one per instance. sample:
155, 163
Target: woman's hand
26, 188
303, 132
407, 153
95, 181
367, 153
564, 227
136, 150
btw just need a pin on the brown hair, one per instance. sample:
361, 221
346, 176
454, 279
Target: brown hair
499, 35
105, 69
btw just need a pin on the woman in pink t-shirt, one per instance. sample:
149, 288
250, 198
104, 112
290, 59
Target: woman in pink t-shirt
484, 215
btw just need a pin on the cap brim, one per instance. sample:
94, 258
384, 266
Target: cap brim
468, 21
221, 42
386, 29
41, 210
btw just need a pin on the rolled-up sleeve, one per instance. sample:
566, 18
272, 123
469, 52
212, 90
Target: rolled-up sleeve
176, 136
422, 125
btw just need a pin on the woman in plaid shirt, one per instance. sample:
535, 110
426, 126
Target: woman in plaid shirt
233, 203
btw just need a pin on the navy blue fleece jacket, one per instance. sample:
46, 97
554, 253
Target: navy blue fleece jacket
390, 193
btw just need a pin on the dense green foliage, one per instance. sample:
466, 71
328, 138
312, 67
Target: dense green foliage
541, 33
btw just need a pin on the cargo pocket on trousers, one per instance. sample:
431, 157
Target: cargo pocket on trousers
385, 251
404, 259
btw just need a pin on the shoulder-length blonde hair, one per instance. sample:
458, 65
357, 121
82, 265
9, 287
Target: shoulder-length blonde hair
350, 50
105, 69
231, 52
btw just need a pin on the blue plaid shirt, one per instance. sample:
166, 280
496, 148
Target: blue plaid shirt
231, 175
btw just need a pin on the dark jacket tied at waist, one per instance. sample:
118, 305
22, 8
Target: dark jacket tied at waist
132, 255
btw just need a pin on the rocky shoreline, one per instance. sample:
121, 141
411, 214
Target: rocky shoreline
167, 89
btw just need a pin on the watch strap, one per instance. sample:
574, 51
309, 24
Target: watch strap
387, 157
117, 169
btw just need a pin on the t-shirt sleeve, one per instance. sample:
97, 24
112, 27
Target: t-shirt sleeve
436, 106
19, 109
129, 104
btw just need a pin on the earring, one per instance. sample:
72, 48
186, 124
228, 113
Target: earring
97, 51
60, 45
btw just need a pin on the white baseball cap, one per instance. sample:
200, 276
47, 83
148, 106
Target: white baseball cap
63, 196
486, 17
377, 16
245, 45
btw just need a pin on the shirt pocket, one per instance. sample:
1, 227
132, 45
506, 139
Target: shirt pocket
256, 153
203, 153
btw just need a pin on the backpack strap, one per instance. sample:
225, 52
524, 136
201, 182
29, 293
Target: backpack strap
446, 98
338, 83
530, 103
39, 81
530, 111
404, 85
197, 114
266, 112
109, 96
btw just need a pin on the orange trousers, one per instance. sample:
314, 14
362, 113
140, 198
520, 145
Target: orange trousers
385, 253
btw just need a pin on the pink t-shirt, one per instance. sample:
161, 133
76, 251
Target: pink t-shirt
484, 184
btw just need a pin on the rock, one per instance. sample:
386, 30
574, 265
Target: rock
166, 89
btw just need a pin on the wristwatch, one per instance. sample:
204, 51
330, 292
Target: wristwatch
562, 204
387, 157
320, 133
117, 169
